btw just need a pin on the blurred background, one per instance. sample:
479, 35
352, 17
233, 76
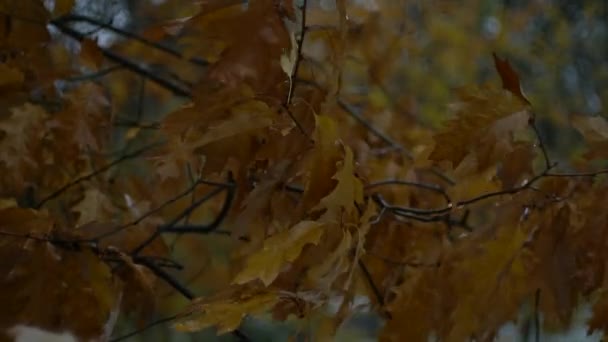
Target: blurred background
405, 57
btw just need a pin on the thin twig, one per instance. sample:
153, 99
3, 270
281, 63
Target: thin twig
184, 213
423, 214
296, 66
96, 172
541, 143
205, 229
578, 174
147, 214
381, 135
169, 279
370, 281
144, 328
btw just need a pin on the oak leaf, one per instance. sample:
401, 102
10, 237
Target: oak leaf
279, 250
347, 193
321, 162
476, 112
509, 77
95, 206
23, 130
225, 313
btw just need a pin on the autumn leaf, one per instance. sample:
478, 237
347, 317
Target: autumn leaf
510, 79
245, 118
347, 193
476, 112
488, 289
336, 263
139, 287
95, 206
279, 250
225, 314
22, 131
322, 162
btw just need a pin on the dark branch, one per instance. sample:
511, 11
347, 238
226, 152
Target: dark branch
229, 186
169, 279
207, 228
296, 67
130, 35
130, 65
183, 194
426, 186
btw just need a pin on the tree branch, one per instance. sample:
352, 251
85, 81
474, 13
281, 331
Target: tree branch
132, 66
81, 18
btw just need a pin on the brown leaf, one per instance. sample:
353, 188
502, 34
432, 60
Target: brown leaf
139, 288
478, 110
94, 207
510, 79
517, 165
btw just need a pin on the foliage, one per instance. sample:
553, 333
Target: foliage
262, 166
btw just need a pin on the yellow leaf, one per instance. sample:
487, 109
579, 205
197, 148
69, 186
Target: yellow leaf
489, 288
347, 192
335, 264
362, 230
226, 314
278, 250
323, 161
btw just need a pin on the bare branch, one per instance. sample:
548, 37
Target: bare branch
81, 18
